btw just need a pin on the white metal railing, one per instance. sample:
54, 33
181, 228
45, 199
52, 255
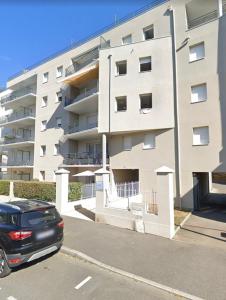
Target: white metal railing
17, 94
84, 94
74, 129
16, 116
17, 163
127, 189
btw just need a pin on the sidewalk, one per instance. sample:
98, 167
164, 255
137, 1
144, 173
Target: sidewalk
195, 269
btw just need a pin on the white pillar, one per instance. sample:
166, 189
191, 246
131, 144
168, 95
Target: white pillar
62, 181
104, 151
102, 188
11, 190
165, 199
220, 8
210, 182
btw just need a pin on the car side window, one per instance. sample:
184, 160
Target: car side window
3, 218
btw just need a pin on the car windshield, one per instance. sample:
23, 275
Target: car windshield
39, 217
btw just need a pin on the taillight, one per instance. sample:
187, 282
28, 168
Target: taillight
61, 224
19, 235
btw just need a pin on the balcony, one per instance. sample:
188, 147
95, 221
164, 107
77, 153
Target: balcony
82, 132
203, 19
82, 159
85, 102
13, 120
14, 142
22, 97
82, 61
83, 69
17, 164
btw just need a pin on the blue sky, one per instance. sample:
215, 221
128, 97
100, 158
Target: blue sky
31, 30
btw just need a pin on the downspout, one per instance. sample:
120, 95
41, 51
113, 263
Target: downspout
104, 137
176, 106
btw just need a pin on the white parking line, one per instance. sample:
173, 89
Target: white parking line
81, 283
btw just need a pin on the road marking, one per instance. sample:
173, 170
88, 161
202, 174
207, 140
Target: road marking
80, 284
11, 298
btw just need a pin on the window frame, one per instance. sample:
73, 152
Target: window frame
127, 36
146, 108
56, 150
193, 136
116, 105
45, 103
42, 153
45, 126
57, 125
117, 64
147, 28
196, 45
47, 77
57, 97
129, 138
140, 64
154, 141
206, 93
59, 74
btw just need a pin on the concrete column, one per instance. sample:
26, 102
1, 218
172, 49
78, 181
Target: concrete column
11, 190
210, 182
102, 188
104, 151
62, 181
165, 200
220, 8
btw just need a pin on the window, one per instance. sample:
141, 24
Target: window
198, 93
148, 32
149, 141
145, 101
201, 135
145, 64
59, 122
121, 67
196, 52
59, 97
59, 71
44, 101
3, 218
43, 150
56, 150
127, 143
45, 77
42, 175
43, 125
127, 39
121, 103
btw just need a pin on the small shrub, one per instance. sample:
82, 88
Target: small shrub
35, 190
74, 191
4, 187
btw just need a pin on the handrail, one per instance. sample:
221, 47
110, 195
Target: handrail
16, 116
18, 163
14, 140
92, 36
87, 92
74, 129
84, 158
17, 94
203, 19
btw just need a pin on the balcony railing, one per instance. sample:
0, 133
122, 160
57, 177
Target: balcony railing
16, 116
83, 158
17, 94
203, 19
13, 140
17, 163
74, 129
86, 93
85, 59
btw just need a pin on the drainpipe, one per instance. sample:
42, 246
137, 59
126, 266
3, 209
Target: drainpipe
176, 106
104, 136
220, 8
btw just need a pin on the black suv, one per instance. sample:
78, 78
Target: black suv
28, 230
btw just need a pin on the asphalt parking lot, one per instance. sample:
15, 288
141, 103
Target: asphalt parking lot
62, 277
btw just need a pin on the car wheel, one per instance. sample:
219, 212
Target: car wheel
4, 268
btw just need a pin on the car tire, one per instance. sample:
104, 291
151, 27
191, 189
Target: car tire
5, 270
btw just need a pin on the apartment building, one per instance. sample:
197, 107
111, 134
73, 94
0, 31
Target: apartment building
147, 92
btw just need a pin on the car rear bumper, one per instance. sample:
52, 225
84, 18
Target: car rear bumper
18, 259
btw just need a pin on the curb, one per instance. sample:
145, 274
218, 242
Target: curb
182, 223
86, 258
